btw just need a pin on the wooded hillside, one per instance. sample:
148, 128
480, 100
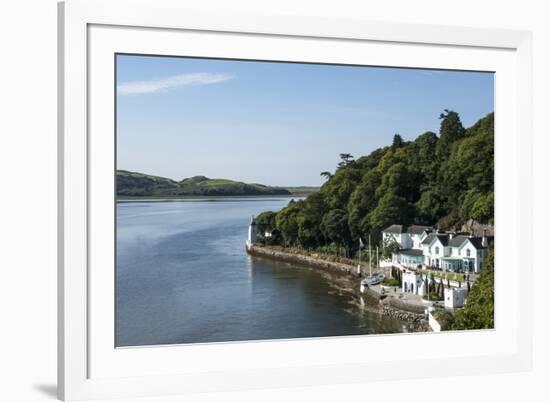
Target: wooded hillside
438, 179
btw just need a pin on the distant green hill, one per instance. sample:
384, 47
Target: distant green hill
132, 184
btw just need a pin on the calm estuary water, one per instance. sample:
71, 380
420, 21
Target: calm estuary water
183, 276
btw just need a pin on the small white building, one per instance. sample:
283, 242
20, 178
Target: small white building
455, 297
413, 283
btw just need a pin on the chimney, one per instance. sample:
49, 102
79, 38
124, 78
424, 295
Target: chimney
451, 235
484, 242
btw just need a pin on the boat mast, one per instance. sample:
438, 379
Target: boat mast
359, 265
377, 260
370, 257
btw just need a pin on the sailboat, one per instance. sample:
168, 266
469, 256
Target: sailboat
373, 279
377, 277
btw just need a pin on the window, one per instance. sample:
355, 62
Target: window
468, 252
437, 250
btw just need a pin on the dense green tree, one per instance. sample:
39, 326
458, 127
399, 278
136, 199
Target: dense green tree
287, 223
390, 209
346, 160
265, 221
467, 175
335, 227
326, 175
478, 313
362, 201
310, 218
430, 207
483, 208
424, 160
397, 141
451, 130
338, 189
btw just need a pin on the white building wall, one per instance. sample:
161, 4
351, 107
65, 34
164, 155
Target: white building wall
407, 240
437, 252
476, 254
427, 254
251, 239
417, 241
403, 239
411, 278
454, 251
455, 297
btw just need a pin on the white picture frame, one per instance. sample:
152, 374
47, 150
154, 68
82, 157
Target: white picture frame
91, 32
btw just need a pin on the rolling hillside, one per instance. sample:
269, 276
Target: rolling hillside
132, 184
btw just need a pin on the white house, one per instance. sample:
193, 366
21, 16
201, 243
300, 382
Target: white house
434, 248
446, 251
466, 254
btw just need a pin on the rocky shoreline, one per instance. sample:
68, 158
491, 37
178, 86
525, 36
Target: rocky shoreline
417, 322
301, 259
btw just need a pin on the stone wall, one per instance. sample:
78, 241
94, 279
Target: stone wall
418, 321
302, 259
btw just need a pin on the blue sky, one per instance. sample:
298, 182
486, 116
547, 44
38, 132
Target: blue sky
276, 123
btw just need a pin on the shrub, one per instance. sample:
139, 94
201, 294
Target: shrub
390, 282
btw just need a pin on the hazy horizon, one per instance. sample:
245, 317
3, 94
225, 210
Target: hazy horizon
278, 124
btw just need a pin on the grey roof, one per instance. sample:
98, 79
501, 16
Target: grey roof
428, 238
476, 241
443, 238
418, 229
411, 251
456, 241
395, 229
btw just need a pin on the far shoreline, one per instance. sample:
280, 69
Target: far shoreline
124, 199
